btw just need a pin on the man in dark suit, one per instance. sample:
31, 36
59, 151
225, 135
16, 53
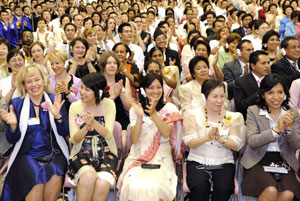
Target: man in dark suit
244, 29
245, 87
238, 67
289, 65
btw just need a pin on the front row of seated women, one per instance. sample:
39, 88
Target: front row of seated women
37, 126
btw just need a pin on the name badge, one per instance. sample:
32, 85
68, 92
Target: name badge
280, 170
33, 121
147, 120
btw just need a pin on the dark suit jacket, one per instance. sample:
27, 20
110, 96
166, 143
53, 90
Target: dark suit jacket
284, 67
245, 93
240, 31
260, 136
231, 71
173, 55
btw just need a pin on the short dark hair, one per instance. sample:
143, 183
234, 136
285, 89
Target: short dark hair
63, 16
211, 13
242, 42
285, 42
247, 15
259, 23
13, 53
121, 27
286, 7
147, 63
295, 13
71, 24
126, 47
266, 85
84, 42
214, 23
267, 36
241, 12
5, 42
211, 84
253, 59
189, 35
96, 82
193, 63
87, 19
198, 42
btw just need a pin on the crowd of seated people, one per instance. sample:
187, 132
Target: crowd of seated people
198, 82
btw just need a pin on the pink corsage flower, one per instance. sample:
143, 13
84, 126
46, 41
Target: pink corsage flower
74, 89
78, 120
45, 106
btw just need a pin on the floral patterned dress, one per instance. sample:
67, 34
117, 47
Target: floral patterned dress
94, 152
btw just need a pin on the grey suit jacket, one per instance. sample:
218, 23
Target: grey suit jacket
260, 135
231, 71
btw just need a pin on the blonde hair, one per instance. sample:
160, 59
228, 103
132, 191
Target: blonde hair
88, 31
34, 69
59, 55
135, 37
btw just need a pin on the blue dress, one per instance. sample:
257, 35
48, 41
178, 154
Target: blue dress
26, 172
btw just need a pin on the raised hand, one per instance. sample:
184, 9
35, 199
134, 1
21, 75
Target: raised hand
137, 108
130, 59
213, 133
56, 106
14, 80
64, 38
288, 119
9, 117
88, 119
151, 108
25, 23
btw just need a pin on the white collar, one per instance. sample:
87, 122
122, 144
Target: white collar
264, 112
256, 77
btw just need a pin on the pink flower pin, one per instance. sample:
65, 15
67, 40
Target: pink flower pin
78, 120
73, 89
45, 106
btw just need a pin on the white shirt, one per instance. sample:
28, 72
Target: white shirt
138, 56
5, 86
273, 147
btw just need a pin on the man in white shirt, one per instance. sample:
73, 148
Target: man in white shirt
126, 36
56, 22
260, 28
70, 31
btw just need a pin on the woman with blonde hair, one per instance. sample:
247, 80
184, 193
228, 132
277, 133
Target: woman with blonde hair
37, 129
67, 85
137, 39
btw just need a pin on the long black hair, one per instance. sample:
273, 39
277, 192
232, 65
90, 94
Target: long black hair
146, 82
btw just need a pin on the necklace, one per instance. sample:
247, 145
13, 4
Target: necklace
35, 104
206, 118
